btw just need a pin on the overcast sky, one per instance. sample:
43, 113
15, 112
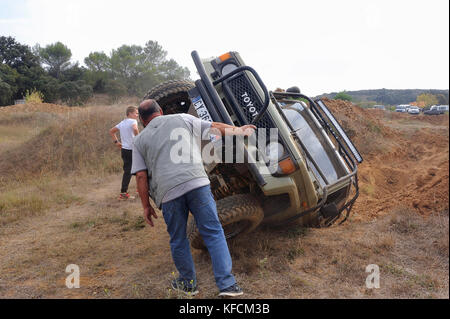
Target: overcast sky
321, 46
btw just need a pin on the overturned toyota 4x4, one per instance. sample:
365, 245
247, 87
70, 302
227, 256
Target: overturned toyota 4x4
300, 167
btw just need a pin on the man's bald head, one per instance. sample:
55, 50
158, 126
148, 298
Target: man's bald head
148, 108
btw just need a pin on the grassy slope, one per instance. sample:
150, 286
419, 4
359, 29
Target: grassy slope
43, 146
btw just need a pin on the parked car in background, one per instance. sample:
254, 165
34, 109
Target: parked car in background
433, 111
413, 110
440, 108
380, 107
402, 108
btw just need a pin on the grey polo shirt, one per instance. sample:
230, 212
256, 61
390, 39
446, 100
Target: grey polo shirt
138, 164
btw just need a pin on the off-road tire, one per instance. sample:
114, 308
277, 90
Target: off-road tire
172, 96
238, 214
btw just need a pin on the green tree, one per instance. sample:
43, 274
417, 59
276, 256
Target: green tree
56, 58
73, 73
98, 70
115, 89
128, 66
21, 71
129, 69
343, 96
165, 69
427, 99
170, 70
154, 53
70, 83
6, 93
140, 68
442, 99
16, 55
98, 62
74, 92
8, 84
48, 85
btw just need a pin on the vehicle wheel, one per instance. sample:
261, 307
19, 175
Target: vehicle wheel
238, 214
172, 96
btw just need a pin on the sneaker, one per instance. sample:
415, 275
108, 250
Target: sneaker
183, 287
231, 291
125, 196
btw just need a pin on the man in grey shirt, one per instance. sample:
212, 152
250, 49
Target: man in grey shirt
138, 163
182, 186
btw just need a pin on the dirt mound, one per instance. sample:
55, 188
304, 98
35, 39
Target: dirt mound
364, 127
345, 108
37, 107
406, 159
435, 119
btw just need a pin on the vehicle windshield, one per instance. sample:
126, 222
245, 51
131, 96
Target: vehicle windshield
315, 143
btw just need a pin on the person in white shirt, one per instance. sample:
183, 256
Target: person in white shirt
128, 129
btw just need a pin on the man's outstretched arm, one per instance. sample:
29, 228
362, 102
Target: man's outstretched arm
226, 129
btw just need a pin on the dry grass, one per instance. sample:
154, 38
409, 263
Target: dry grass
19, 201
17, 128
331, 263
71, 142
120, 257
41, 146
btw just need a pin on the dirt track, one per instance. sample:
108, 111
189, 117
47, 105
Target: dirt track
404, 176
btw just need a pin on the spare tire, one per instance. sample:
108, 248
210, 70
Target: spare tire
238, 214
172, 96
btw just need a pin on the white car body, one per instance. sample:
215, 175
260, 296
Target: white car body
413, 110
403, 108
441, 108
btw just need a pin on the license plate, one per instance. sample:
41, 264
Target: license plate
201, 109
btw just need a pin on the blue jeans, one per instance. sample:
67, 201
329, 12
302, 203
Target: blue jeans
201, 204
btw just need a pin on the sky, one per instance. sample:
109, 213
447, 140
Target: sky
321, 46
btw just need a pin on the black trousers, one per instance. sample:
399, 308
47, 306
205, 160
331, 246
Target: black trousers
127, 160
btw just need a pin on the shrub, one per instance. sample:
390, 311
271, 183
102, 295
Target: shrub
343, 96
6, 93
115, 89
75, 92
34, 96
